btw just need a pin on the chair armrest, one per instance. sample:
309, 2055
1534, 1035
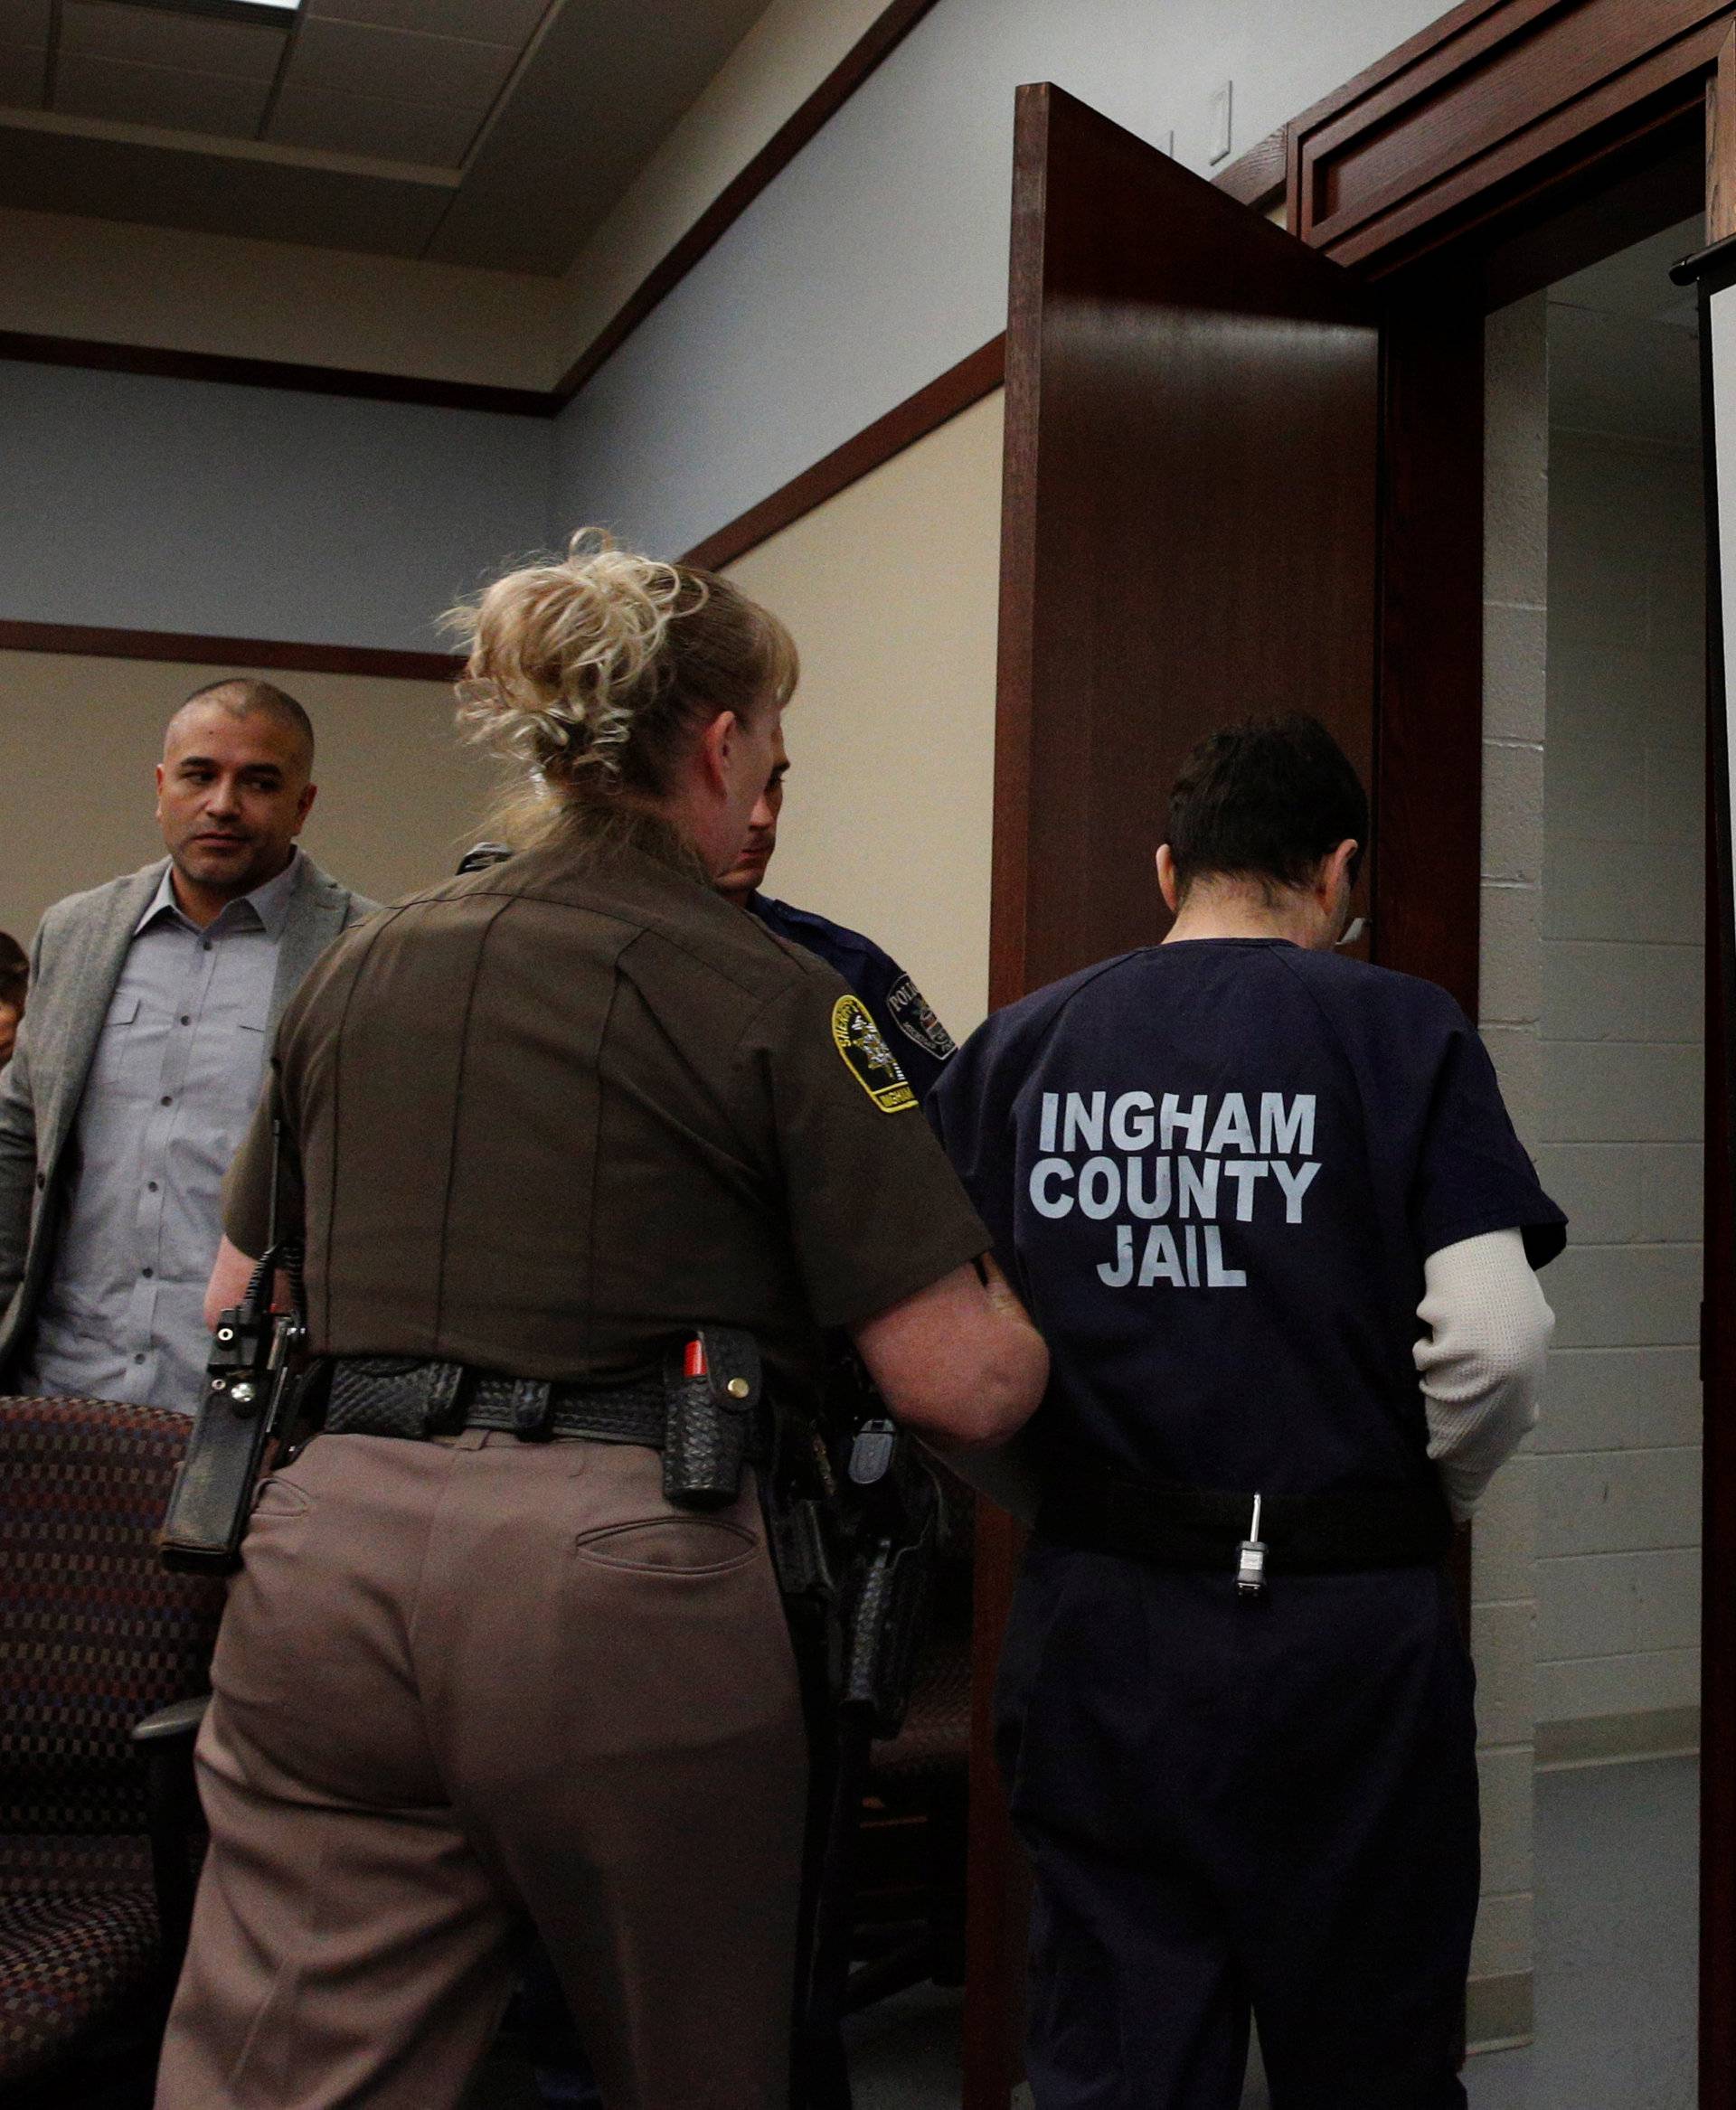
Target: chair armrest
172, 1724
164, 1741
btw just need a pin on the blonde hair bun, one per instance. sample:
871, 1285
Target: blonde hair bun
563, 655
596, 672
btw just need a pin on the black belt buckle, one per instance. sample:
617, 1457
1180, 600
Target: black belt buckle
532, 1410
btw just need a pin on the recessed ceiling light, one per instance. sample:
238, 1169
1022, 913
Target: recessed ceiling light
275, 13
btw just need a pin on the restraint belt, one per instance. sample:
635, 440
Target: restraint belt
1174, 1526
401, 1396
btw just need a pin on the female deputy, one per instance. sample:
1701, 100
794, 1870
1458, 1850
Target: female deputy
540, 1121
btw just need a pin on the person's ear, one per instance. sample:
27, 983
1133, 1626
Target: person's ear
1337, 869
717, 753
1168, 884
159, 791
305, 805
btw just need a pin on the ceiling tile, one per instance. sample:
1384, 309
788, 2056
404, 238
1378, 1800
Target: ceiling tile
152, 36
159, 95
22, 75
25, 22
170, 187
490, 21
434, 134
399, 66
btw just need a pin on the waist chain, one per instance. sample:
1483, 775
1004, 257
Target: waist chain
405, 1396
1209, 1528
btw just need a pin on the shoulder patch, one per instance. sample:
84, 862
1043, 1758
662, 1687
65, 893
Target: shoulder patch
914, 1017
867, 1057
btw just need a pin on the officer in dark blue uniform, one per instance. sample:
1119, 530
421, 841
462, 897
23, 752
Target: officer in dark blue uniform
903, 1015
1267, 1207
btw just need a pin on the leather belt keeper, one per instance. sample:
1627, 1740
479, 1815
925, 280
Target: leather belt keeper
1172, 1526
403, 1396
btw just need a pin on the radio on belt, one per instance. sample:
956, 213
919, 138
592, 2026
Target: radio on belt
1250, 1562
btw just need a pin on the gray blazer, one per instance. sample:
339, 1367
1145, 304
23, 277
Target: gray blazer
74, 967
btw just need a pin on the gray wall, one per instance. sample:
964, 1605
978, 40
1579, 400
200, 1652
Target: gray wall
878, 257
159, 504
1622, 1041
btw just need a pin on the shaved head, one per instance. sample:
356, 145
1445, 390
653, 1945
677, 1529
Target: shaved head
240, 695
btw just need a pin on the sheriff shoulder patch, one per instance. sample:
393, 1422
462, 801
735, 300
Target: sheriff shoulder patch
867, 1057
913, 1015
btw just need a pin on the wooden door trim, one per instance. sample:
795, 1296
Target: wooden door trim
1424, 141
280, 654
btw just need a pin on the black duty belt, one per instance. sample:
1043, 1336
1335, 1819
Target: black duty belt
1206, 1528
403, 1396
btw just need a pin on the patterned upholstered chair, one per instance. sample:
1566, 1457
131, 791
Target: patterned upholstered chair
94, 1637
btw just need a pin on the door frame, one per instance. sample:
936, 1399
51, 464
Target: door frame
1508, 145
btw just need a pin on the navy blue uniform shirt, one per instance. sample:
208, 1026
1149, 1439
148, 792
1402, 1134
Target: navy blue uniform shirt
1213, 1171
921, 1043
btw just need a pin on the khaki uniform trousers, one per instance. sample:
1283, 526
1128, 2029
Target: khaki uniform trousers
465, 1683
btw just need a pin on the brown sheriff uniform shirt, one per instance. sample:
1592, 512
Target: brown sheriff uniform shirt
544, 1117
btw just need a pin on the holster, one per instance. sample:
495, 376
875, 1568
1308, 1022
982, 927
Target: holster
886, 1618
711, 1422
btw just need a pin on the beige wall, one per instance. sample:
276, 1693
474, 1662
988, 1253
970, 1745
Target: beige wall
399, 799
891, 589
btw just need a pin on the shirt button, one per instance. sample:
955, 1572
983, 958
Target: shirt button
146, 1274
207, 945
151, 1185
139, 1358
42, 1180
168, 1098
185, 1021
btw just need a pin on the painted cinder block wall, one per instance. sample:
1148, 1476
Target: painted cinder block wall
1504, 1599
1623, 1059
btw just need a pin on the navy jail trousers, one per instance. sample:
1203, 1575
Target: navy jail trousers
1233, 1807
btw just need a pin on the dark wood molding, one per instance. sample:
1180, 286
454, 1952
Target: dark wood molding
277, 373
976, 376
1426, 884
877, 43
241, 652
1256, 178
1486, 103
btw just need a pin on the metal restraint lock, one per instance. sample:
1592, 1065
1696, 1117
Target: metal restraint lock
1250, 1563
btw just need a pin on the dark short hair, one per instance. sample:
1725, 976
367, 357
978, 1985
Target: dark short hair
14, 972
244, 694
1265, 800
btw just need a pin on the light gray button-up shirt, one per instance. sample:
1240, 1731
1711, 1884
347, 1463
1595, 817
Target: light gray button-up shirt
172, 1087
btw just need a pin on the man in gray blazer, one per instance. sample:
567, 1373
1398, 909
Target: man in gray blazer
152, 1006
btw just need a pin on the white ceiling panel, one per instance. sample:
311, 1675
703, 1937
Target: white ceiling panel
152, 36
490, 21
433, 134
22, 72
159, 95
25, 22
400, 66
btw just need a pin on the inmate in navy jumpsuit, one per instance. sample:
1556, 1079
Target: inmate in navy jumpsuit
1213, 1170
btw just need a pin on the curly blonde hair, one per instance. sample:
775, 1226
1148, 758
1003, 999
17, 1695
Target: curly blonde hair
594, 673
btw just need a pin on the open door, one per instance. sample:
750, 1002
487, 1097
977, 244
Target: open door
1191, 534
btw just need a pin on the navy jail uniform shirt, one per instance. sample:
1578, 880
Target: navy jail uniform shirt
1213, 1170
921, 1043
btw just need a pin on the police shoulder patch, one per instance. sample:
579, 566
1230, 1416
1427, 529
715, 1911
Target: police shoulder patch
913, 1015
867, 1057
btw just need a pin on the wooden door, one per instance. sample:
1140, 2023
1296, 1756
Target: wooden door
1191, 534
